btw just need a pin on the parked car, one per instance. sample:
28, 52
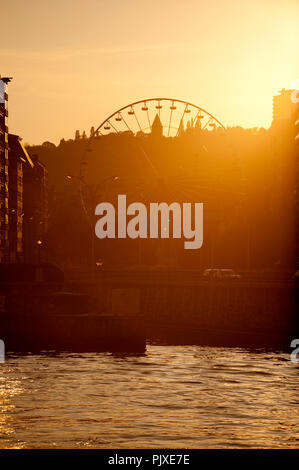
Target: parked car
217, 273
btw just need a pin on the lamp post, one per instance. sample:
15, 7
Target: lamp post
39, 246
92, 192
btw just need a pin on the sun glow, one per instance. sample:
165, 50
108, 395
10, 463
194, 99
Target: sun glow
228, 57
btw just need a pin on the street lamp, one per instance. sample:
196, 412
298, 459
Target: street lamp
39, 245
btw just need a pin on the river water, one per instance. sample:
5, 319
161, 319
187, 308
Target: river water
171, 397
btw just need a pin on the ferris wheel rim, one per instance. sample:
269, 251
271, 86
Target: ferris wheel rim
130, 105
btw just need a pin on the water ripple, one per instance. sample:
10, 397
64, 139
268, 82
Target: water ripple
172, 397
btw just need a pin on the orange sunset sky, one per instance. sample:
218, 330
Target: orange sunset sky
75, 62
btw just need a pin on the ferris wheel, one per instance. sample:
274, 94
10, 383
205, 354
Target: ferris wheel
172, 114
170, 118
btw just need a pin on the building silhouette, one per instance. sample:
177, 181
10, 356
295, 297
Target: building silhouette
3, 170
35, 207
285, 165
18, 160
284, 107
23, 195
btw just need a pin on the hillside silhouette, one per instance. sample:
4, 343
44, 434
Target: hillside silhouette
244, 177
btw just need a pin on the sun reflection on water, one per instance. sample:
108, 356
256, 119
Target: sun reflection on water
172, 397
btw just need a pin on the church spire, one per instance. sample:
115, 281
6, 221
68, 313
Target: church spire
157, 128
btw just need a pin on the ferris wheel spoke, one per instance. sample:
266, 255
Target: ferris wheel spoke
113, 126
125, 122
197, 117
149, 161
181, 120
159, 107
137, 120
145, 108
148, 118
207, 123
170, 117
